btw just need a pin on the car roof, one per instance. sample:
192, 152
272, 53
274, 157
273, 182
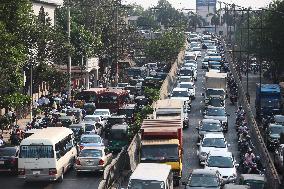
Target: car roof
220, 153
214, 135
95, 116
214, 107
102, 110
179, 89
187, 82
94, 147
154, 171
90, 135
204, 171
210, 121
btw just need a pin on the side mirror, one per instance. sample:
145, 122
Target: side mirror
237, 165
202, 94
198, 144
227, 114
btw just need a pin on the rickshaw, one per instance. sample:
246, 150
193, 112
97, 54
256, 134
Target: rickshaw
89, 108
255, 181
118, 137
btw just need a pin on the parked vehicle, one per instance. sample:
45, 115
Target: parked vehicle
208, 126
255, 181
217, 113
90, 140
118, 137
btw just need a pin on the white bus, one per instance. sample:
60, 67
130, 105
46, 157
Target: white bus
47, 154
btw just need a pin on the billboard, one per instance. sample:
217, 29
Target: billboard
200, 3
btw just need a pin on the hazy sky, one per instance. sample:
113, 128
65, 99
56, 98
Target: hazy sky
190, 4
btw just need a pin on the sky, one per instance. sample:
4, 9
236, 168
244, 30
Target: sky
190, 4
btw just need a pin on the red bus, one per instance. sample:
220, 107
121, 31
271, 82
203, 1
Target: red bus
113, 99
88, 96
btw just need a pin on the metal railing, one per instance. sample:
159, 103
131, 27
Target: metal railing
273, 179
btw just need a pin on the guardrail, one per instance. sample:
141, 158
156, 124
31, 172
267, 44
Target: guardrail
273, 179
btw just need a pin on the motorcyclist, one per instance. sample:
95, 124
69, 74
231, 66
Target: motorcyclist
249, 157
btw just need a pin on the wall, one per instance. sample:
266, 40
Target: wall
47, 8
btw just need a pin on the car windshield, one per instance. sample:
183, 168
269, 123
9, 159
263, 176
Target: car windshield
116, 134
216, 112
96, 153
146, 184
180, 94
90, 139
113, 121
188, 72
96, 119
89, 127
214, 142
185, 79
127, 112
159, 153
202, 180
210, 92
211, 127
270, 102
186, 85
254, 184
220, 161
217, 102
7, 152
276, 130
101, 113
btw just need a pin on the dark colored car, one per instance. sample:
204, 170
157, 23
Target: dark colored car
9, 159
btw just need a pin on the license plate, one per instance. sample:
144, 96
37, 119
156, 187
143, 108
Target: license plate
90, 163
2, 162
36, 172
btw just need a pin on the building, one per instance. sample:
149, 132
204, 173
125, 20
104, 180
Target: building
206, 9
49, 7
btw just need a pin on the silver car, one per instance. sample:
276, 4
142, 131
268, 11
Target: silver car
92, 159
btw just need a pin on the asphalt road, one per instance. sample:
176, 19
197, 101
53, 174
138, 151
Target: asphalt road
71, 181
190, 159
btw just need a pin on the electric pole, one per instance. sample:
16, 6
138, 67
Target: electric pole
69, 55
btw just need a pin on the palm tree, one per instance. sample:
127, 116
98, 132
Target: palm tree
195, 20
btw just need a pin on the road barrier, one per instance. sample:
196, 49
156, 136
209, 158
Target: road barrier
171, 77
273, 179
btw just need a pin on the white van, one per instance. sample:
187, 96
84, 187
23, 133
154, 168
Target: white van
151, 175
47, 154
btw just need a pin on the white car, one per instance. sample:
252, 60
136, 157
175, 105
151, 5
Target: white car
180, 94
189, 86
97, 119
197, 51
105, 113
211, 142
224, 163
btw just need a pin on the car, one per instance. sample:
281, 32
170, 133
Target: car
92, 159
273, 135
96, 119
197, 51
90, 140
216, 101
211, 142
185, 79
204, 64
189, 86
9, 159
278, 119
279, 158
202, 178
224, 163
180, 94
218, 113
92, 127
214, 91
208, 126
192, 66
105, 113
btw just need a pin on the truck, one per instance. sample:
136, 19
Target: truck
161, 142
171, 109
268, 100
216, 80
157, 176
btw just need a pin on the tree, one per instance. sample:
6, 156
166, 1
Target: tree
215, 21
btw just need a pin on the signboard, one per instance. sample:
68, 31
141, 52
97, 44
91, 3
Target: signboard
92, 63
205, 2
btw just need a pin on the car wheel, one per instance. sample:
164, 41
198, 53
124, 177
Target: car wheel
60, 179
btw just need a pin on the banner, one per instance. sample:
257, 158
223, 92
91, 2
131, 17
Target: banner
205, 2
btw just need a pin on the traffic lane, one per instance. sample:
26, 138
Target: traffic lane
70, 181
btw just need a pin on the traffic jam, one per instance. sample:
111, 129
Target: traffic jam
87, 134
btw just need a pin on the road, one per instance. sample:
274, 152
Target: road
190, 159
71, 181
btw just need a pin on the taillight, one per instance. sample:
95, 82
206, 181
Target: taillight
13, 161
78, 162
52, 171
21, 171
81, 147
101, 162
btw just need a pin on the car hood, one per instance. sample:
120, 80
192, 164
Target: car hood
225, 172
208, 149
220, 118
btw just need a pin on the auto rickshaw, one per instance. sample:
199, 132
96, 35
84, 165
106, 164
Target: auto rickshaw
255, 181
89, 108
118, 137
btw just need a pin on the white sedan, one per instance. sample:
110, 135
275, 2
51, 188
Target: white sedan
224, 163
189, 86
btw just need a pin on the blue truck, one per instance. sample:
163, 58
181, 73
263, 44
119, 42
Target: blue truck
268, 100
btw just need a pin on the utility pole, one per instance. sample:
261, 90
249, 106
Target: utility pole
248, 54
31, 91
260, 56
69, 55
116, 40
